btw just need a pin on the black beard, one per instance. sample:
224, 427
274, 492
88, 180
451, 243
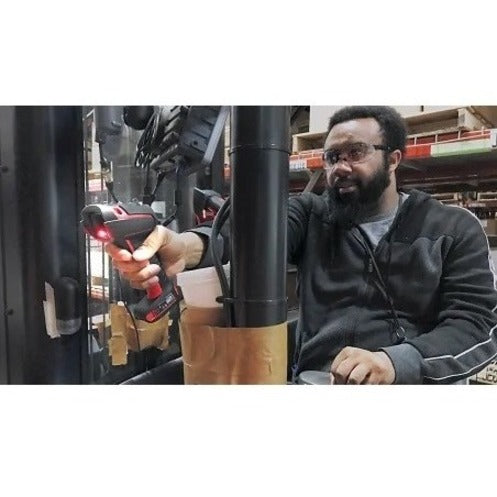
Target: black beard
349, 209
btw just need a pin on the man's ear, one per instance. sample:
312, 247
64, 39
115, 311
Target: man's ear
394, 159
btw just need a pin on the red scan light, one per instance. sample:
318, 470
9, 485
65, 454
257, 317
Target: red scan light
101, 233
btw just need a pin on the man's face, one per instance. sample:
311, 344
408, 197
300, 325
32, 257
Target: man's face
361, 173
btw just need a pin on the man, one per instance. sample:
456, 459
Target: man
393, 287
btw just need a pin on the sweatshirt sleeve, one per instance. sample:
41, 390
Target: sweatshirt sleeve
464, 340
221, 246
299, 211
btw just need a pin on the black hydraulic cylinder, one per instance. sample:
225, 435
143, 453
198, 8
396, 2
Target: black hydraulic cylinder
259, 205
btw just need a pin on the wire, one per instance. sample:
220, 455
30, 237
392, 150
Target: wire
129, 311
160, 178
110, 188
399, 329
147, 189
219, 221
146, 152
104, 162
106, 169
145, 149
134, 325
146, 139
170, 218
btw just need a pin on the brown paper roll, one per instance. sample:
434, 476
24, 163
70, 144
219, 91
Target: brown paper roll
213, 354
118, 350
149, 334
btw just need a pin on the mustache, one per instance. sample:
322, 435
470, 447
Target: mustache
345, 182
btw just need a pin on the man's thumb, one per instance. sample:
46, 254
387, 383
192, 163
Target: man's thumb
151, 245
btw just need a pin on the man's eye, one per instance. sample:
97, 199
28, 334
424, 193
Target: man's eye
332, 156
355, 153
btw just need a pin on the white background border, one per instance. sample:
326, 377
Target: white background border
254, 440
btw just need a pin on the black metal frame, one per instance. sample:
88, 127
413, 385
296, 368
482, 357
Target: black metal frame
3, 317
13, 298
4, 371
212, 178
41, 198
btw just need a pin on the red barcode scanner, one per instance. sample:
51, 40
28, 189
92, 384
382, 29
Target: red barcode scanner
127, 226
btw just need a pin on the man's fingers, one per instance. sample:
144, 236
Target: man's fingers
159, 237
144, 274
118, 254
372, 379
131, 266
342, 355
142, 285
136, 286
359, 374
174, 269
344, 369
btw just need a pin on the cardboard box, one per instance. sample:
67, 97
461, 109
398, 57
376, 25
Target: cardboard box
308, 141
320, 114
490, 226
488, 376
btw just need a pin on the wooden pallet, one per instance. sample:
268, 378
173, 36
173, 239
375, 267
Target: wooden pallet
457, 118
486, 196
447, 198
421, 125
488, 376
308, 141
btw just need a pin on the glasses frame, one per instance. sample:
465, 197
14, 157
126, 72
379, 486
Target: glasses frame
372, 147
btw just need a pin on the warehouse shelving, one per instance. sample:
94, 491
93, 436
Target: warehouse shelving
435, 162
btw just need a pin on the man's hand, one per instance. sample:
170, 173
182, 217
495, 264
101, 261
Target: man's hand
176, 251
362, 367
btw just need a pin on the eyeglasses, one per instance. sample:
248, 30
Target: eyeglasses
353, 153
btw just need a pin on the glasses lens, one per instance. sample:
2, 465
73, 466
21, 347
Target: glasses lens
353, 152
357, 152
331, 157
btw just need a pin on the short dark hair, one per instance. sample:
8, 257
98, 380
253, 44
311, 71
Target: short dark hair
392, 124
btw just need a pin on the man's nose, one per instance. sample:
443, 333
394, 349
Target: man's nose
342, 168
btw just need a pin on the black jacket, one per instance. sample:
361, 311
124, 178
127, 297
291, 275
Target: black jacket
438, 270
